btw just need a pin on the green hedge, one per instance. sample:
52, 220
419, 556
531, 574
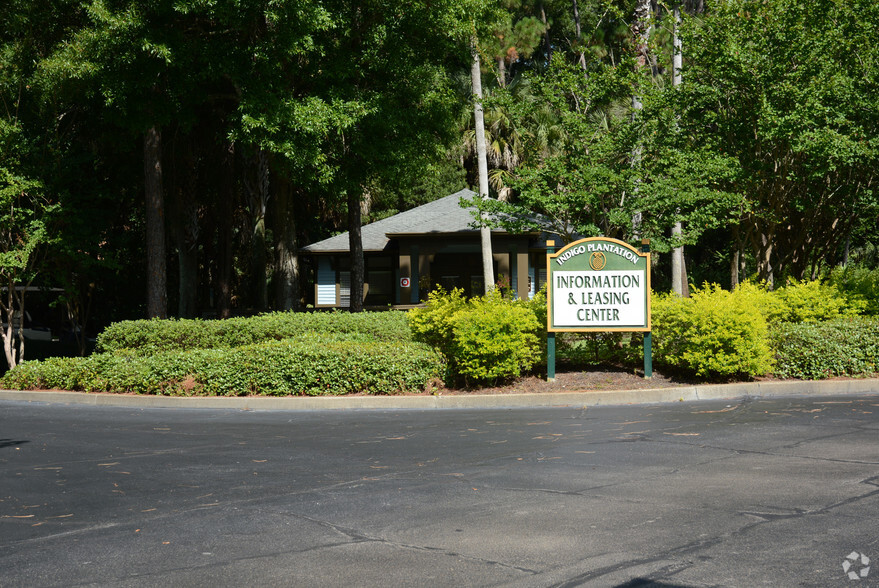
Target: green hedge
484, 339
152, 336
721, 333
859, 284
712, 333
311, 365
797, 302
813, 351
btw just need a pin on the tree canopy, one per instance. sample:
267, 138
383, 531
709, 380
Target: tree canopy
237, 132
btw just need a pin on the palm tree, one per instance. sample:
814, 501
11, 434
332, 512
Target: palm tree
479, 130
510, 138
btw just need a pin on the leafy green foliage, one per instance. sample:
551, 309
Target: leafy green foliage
816, 350
484, 339
151, 336
434, 323
494, 339
713, 333
311, 365
814, 301
25, 216
859, 284
785, 91
574, 152
675, 180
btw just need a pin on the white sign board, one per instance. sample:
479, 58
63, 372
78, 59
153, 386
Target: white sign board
598, 284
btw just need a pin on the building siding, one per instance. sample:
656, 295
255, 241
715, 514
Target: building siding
326, 283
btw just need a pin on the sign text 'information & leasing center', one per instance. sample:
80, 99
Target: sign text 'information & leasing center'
598, 284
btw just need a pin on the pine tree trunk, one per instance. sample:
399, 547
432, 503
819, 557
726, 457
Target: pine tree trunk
736, 261
225, 211
677, 264
482, 162
579, 33
259, 260
287, 273
677, 48
641, 37
184, 228
547, 43
258, 265
9, 328
355, 244
764, 261
187, 267
157, 279
734, 269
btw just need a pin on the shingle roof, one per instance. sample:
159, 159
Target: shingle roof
440, 216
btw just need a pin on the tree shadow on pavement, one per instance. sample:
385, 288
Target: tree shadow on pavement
11, 443
646, 583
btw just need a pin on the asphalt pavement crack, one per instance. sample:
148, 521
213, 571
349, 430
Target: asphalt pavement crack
671, 569
360, 537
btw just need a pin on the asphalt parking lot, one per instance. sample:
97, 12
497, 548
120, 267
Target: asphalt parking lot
778, 492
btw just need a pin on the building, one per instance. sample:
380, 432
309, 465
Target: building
408, 254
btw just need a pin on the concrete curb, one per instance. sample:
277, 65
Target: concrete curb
583, 398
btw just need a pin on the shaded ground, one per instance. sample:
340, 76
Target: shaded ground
759, 492
572, 380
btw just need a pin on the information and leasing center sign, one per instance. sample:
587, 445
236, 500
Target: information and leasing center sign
598, 284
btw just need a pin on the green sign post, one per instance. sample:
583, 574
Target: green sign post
598, 285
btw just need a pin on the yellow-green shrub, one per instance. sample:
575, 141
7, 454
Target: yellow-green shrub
712, 333
432, 324
484, 339
773, 307
494, 339
858, 284
813, 301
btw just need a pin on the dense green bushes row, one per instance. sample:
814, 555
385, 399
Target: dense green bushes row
273, 354
309, 365
151, 336
752, 331
803, 330
840, 347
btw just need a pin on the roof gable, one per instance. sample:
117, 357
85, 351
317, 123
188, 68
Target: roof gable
440, 216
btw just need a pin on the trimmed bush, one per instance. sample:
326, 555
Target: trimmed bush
311, 366
841, 347
484, 339
712, 333
859, 284
772, 306
152, 336
814, 301
494, 339
433, 324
